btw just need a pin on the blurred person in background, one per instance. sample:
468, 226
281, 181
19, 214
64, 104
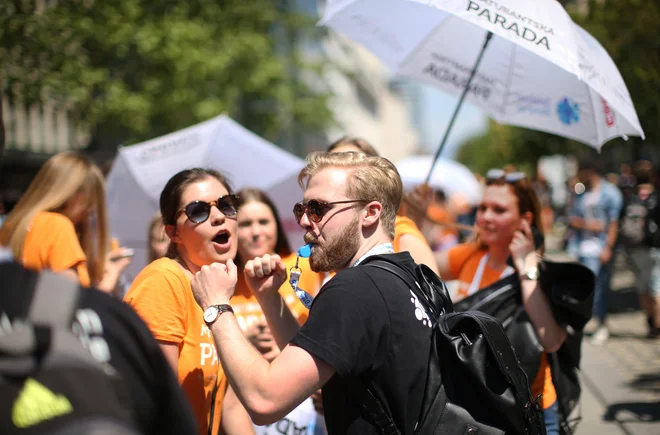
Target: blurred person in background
444, 234
626, 182
60, 224
594, 223
157, 239
640, 235
507, 242
199, 214
543, 191
407, 236
260, 232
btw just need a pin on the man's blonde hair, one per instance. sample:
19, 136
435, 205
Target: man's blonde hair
370, 179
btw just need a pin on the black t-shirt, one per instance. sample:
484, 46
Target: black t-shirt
368, 326
640, 222
159, 405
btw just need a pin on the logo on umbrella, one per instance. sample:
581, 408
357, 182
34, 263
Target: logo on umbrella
568, 111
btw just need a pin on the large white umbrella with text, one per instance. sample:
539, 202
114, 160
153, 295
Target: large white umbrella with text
525, 63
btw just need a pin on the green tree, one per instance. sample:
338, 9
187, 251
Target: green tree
623, 27
134, 69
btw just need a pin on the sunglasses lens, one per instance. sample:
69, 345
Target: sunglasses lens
298, 211
315, 210
197, 212
227, 205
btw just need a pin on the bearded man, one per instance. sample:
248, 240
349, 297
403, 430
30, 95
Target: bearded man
364, 329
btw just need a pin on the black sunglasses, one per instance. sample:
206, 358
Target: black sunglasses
199, 211
316, 209
500, 174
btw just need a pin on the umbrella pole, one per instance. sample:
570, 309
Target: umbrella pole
489, 35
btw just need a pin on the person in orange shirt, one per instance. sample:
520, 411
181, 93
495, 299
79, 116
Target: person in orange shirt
505, 218
407, 236
157, 241
260, 232
199, 213
60, 224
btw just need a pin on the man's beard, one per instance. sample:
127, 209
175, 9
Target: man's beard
335, 253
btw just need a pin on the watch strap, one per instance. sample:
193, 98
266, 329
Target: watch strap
223, 308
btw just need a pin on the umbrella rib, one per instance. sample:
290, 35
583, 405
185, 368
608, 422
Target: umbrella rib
593, 114
509, 79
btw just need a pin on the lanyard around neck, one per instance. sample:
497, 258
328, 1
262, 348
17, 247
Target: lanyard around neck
383, 248
479, 274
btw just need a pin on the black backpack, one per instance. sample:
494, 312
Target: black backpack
474, 384
50, 383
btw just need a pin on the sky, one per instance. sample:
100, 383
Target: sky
437, 109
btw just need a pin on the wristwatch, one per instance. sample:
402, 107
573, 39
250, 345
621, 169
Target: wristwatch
212, 313
532, 273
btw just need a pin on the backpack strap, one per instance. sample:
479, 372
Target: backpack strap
54, 301
45, 337
371, 408
433, 308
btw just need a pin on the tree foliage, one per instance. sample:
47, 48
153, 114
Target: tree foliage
625, 29
133, 69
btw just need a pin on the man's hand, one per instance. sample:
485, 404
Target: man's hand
606, 255
576, 223
214, 284
265, 275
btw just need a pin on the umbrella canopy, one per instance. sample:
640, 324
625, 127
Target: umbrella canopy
540, 70
140, 172
448, 175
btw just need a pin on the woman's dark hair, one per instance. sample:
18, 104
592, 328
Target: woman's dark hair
361, 144
170, 197
246, 195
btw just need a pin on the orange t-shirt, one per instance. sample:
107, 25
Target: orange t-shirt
248, 311
464, 262
162, 296
402, 226
52, 243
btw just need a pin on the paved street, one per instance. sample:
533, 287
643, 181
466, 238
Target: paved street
621, 379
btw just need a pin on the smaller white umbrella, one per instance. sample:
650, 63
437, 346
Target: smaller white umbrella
448, 175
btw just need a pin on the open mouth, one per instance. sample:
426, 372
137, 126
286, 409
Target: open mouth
221, 238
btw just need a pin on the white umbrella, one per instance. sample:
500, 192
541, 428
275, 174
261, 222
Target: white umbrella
448, 175
540, 70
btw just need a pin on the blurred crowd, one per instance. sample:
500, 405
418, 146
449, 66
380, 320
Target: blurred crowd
60, 224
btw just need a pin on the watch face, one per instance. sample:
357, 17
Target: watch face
533, 273
210, 314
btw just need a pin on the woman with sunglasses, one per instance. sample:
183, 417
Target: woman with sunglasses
199, 213
260, 232
507, 220
60, 224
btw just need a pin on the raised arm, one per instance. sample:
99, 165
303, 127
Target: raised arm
269, 391
265, 276
536, 303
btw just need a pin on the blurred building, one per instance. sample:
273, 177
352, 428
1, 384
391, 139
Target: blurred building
364, 102
33, 133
